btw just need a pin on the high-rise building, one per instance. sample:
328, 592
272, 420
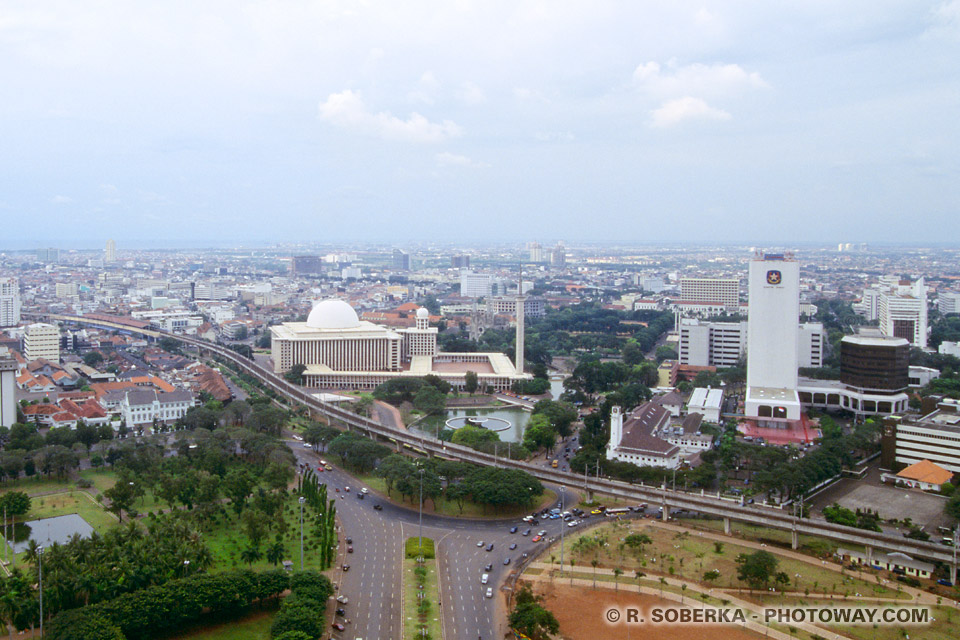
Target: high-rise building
948, 302
475, 285
774, 281
306, 265
66, 289
723, 344
41, 341
110, 252
723, 290
401, 260
902, 312
8, 383
460, 261
558, 257
9, 302
48, 255
536, 252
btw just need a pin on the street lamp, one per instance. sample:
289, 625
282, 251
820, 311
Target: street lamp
40, 568
186, 567
301, 501
421, 512
563, 493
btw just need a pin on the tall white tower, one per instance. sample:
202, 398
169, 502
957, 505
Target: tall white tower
9, 302
521, 318
110, 252
616, 431
772, 337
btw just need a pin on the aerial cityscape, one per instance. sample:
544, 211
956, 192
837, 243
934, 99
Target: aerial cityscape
518, 321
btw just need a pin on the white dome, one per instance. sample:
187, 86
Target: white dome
332, 314
423, 313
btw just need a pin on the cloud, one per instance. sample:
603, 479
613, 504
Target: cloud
695, 79
554, 136
946, 19
447, 159
61, 200
346, 109
673, 112
471, 94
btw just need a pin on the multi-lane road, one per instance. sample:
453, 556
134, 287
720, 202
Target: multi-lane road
373, 584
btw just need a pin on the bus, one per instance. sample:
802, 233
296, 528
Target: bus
617, 512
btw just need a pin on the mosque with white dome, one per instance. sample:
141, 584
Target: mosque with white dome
340, 351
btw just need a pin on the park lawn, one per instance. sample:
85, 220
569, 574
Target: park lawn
36, 485
104, 479
686, 546
227, 538
254, 626
411, 618
79, 502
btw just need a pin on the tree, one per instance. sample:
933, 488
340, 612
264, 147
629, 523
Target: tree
539, 434
275, 552
251, 554
429, 400
632, 353
295, 374
16, 503
757, 569
531, 618
470, 383
122, 495
93, 359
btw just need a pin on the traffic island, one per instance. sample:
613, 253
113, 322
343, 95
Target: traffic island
421, 596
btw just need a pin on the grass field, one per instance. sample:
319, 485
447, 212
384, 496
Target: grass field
687, 555
61, 504
255, 626
36, 485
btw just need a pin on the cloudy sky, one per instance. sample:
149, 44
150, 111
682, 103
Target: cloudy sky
185, 123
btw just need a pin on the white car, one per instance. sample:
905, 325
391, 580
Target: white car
484, 578
480, 544
489, 592
364, 491
307, 445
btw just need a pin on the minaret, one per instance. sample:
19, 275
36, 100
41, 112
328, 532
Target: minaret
521, 317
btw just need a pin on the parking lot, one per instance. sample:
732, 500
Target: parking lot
889, 501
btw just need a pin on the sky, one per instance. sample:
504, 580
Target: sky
185, 123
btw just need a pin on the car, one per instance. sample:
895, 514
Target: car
320, 469
480, 543
378, 507
338, 626
346, 567
364, 491
595, 512
338, 489
542, 532
323, 463
945, 582
340, 612
525, 554
490, 547
488, 566
349, 540
360, 496
296, 437
513, 546
506, 561
489, 592
347, 489
343, 599
485, 578
349, 549
329, 468
572, 523
513, 529
307, 445
537, 538
527, 532
534, 522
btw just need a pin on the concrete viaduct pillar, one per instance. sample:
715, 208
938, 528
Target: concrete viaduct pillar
726, 526
666, 513
869, 555
794, 540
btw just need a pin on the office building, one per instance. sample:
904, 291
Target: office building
507, 305
653, 285
934, 437
774, 281
401, 260
306, 265
948, 302
50, 255
901, 308
66, 289
9, 302
475, 285
949, 349
536, 252
811, 344
558, 257
637, 438
41, 341
340, 351
711, 344
720, 290
707, 402
8, 384
110, 252
213, 291
460, 261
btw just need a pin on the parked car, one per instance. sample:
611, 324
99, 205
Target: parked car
480, 543
343, 599
341, 612
349, 549
378, 507
945, 582
506, 561
537, 538
338, 626
527, 532
346, 567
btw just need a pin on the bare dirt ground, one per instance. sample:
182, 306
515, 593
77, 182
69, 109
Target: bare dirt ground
581, 612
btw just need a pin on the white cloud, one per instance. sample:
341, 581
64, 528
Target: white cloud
673, 112
697, 79
471, 94
346, 109
61, 200
447, 159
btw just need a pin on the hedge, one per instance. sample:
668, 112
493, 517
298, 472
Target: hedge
412, 547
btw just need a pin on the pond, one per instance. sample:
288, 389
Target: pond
47, 531
516, 417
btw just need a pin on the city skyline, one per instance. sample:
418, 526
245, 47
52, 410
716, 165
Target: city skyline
174, 126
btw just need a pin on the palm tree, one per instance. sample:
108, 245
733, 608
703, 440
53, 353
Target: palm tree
251, 554
594, 564
663, 581
275, 553
617, 572
638, 574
